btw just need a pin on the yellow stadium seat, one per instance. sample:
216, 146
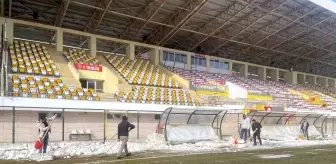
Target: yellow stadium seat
68, 97
51, 96
74, 93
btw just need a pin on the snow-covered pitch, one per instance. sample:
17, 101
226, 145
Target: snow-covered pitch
153, 142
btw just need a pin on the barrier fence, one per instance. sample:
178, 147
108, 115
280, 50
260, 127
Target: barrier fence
20, 125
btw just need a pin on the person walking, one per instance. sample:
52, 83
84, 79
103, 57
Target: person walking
256, 127
44, 130
245, 125
123, 128
304, 128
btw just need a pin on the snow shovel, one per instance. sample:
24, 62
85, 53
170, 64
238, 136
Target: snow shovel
112, 145
237, 142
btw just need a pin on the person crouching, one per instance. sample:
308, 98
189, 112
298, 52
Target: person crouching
123, 128
256, 127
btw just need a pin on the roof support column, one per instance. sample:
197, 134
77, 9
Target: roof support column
207, 63
154, 55
262, 73
230, 66
243, 70
130, 51
93, 46
59, 40
189, 60
2, 22
9, 30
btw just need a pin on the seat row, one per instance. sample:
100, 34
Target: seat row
45, 87
31, 58
141, 72
79, 56
154, 95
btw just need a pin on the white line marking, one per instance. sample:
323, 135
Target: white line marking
134, 159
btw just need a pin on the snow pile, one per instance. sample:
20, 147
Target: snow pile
190, 134
92, 148
286, 132
154, 142
22, 152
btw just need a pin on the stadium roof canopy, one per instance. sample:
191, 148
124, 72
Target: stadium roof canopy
287, 34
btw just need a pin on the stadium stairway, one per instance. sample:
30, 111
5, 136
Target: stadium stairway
69, 74
104, 63
122, 84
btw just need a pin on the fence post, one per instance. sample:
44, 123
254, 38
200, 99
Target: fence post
13, 126
138, 125
326, 126
62, 124
105, 116
333, 126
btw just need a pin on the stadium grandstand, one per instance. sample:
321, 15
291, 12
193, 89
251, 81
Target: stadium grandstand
91, 62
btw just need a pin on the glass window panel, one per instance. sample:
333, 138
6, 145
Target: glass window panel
193, 61
178, 58
171, 57
165, 55
183, 59
83, 83
91, 85
99, 86
216, 64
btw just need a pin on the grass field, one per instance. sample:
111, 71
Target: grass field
304, 155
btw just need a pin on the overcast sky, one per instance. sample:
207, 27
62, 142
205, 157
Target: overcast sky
328, 4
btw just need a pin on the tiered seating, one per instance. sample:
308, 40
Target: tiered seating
79, 56
31, 58
47, 87
141, 72
194, 77
203, 79
278, 90
281, 95
156, 95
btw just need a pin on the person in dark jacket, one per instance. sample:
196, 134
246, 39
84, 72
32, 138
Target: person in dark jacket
123, 128
256, 127
304, 128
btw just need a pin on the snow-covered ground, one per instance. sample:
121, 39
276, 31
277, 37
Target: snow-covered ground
154, 142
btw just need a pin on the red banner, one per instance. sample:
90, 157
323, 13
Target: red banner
222, 82
88, 67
